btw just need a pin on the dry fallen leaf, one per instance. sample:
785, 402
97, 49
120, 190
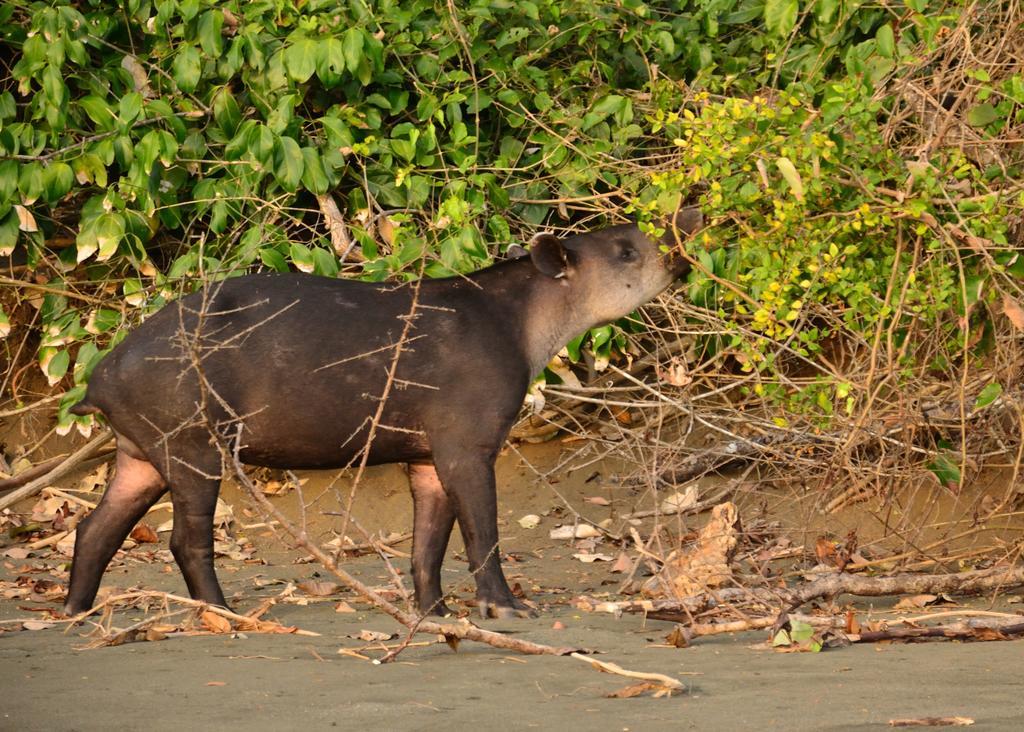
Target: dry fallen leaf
704, 564
591, 558
36, 625
597, 500
622, 564
373, 636
344, 607
144, 534
1013, 311
678, 637
530, 521
580, 531
679, 502
318, 588
215, 623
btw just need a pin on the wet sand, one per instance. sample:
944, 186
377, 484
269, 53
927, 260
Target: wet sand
288, 681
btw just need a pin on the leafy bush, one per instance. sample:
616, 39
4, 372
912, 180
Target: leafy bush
146, 149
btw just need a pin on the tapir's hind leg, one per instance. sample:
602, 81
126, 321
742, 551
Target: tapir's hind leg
433, 518
195, 499
136, 486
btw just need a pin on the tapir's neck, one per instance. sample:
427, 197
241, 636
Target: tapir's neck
544, 313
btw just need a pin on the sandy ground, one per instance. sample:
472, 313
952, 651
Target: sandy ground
255, 681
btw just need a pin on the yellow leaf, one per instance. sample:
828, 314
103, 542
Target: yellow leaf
789, 172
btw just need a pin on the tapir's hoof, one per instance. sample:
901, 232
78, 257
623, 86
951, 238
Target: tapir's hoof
504, 611
438, 609
72, 612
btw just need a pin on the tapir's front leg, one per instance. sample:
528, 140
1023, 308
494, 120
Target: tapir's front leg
468, 478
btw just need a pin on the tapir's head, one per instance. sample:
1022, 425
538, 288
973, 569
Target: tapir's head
613, 271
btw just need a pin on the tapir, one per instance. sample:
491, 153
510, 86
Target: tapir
293, 371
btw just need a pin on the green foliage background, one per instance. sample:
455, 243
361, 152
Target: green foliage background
148, 145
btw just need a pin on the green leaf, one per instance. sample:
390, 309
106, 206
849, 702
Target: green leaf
101, 320
130, 107
262, 143
988, 395
57, 180
30, 182
325, 263
288, 163
210, 24
226, 113
352, 47
273, 259
53, 84
109, 228
330, 61
313, 176
187, 68
825, 10
945, 470
57, 366
302, 258
982, 115
403, 148
780, 16
5, 324
85, 241
886, 41
99, 111
8, 233
300, 59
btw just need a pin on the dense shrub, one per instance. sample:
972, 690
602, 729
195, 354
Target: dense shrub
145, 148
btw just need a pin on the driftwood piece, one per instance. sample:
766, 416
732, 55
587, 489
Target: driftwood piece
962, 583
967, 631
66, 466
729, 453
16, 481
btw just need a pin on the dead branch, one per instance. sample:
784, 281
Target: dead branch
16, 481
729, 453
960, 583
341, 242
968, 631
664, 681
68, 465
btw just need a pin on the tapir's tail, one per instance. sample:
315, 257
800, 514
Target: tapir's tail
84, 407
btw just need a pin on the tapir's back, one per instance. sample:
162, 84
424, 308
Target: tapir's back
302, 361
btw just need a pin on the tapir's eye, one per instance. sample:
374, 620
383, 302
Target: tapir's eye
627, 252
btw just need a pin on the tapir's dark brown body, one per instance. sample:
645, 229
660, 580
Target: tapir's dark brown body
295, 366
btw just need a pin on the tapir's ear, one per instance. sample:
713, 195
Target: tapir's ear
687, 221
549, 255
515, 252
